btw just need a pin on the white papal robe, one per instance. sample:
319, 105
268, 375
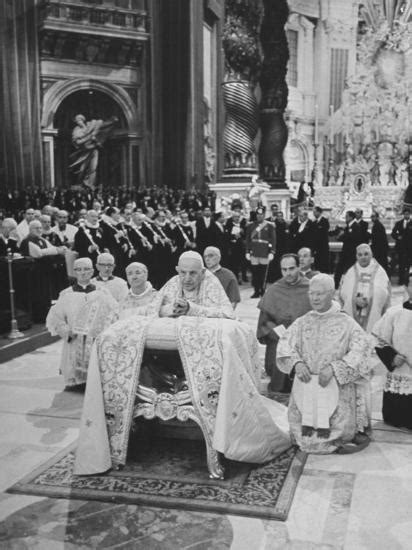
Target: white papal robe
85, 314
221, 364
321, 339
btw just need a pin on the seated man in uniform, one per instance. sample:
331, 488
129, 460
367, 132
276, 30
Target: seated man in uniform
220, 361
227, 278
79, 314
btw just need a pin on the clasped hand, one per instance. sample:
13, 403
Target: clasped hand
304, 375
180, 307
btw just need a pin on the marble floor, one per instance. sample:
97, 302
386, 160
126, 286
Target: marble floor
354, 502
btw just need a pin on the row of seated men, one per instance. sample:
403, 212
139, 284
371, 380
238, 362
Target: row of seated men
323, 352
158, 241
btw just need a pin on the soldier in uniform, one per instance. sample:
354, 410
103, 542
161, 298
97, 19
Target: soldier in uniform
260, 249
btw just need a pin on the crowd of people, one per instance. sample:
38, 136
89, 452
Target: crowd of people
160, 224
317, 327
320, 350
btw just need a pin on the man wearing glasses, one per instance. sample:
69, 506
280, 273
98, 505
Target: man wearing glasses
105, 279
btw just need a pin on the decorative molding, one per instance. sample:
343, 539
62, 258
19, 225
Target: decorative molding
104, 19
90, 48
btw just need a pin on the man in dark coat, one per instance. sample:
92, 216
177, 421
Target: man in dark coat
363, 226
320, 240
379, 241
205, 231
351, 238
235, 229
301, 232
402, 234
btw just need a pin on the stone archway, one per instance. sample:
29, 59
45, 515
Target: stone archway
94, 99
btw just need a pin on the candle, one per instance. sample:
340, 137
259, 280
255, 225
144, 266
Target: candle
331, 124
316, 124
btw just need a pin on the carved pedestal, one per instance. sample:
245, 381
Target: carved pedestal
152, 404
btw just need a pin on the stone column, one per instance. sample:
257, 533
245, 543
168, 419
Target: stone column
242, 65
274, 92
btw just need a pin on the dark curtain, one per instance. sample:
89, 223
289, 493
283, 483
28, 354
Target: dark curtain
20, 145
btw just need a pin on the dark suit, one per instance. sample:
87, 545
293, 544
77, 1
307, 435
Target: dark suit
236, 245
321, 244
379, 244
402, 234
364, 234
351, 238
205, 236
300, 239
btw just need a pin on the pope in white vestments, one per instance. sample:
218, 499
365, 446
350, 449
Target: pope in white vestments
220, 359
81, 312
328, 352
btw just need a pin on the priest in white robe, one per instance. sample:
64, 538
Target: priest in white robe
221, 364
105, 279
80, 313
328, 353
141, 295
364, 290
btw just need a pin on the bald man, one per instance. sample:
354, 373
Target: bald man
212, 257
365, 290
141, 293
79, 315
105, 279
328, 353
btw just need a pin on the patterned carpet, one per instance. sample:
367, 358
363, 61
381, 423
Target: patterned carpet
171, 473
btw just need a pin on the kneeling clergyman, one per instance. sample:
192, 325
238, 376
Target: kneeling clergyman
78, 316
220, 360
141, 294
329, 353
394, 349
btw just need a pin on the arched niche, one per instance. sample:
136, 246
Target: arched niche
119, 158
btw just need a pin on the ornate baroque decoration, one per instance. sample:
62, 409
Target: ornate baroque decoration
376, 111
242, 66
274, 91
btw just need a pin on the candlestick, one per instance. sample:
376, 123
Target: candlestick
14, 333
316, 124
331, 124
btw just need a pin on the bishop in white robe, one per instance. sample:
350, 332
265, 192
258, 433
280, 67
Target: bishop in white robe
328, 353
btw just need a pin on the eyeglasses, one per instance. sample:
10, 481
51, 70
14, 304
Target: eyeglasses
105, 265
82, 269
